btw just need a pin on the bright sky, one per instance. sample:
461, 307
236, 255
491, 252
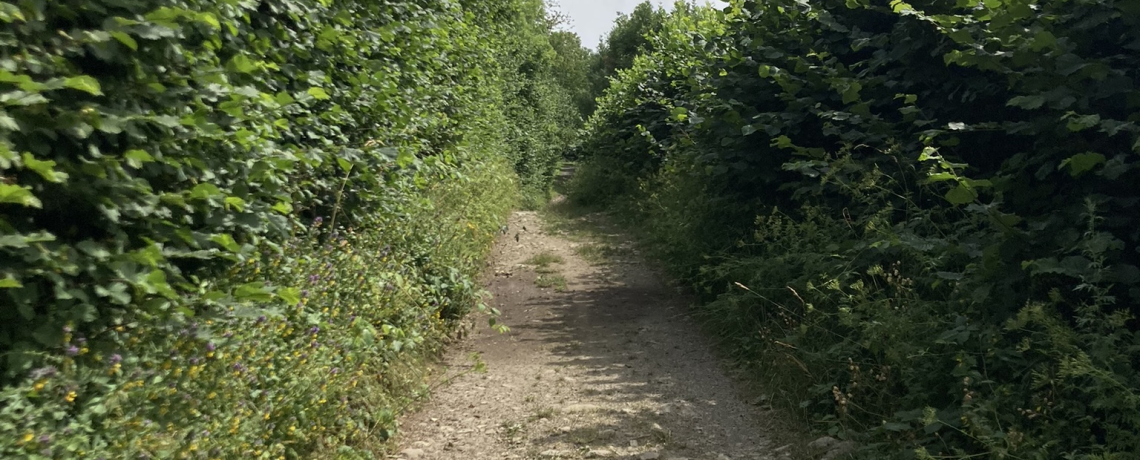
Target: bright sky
592, 19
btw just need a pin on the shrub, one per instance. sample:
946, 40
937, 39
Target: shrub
917, 208
230, 229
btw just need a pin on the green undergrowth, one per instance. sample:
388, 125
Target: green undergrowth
912, 219
234, 229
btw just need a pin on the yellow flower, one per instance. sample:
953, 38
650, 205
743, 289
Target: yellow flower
28, 437
70, 397
39, 385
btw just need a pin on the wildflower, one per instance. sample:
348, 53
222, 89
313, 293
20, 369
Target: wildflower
116, 358
211, 347
334, 370
39, 385
72, 350
45, 439
314, 330
70, 397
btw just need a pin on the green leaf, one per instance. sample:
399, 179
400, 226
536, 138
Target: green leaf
235, 202
961, 195
253, 292
1027, 102
136, 158
205, 192
226, 241
899, 6
19, 195
291, 296
242, 64
283, 208
10, 13
9, 283
345, 165
210, 20
126, 40
84, 83
45, 169
405, 158
851, 93
1082, 162
319, 93
1082, 122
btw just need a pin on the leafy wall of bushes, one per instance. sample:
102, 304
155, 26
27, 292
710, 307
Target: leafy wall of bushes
228, 228
919, 215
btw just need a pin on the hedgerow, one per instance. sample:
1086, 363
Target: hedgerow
230, 229
916, 215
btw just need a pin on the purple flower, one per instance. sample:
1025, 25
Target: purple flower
304, 293
315, 344
72, 350
334, 370
260, 319
67, 329
314, 330
314, 278
211, 347
116, 358
45, 439
318, 220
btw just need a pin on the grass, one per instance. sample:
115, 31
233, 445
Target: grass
551, 280
545, 412
544, 259
599, 254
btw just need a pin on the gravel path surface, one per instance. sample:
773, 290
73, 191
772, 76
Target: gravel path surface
607, 367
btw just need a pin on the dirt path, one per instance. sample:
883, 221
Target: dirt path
606, 365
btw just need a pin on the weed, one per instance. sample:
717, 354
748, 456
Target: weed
543, 413
544, 259
558, 282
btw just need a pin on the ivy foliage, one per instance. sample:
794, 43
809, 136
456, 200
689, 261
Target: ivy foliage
227, 225
919, 211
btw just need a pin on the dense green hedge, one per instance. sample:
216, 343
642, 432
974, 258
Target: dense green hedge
228, 228
918, 215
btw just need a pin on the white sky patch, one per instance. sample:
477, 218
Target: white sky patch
592, 19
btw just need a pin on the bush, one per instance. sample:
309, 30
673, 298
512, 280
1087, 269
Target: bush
918, 208
230, 229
